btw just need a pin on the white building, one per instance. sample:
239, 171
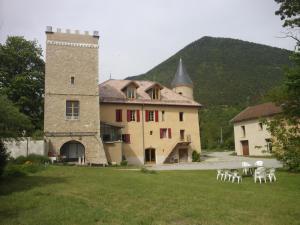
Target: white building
250, 134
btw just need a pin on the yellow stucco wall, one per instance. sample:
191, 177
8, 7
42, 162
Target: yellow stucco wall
140, 131
256, 137
113, 151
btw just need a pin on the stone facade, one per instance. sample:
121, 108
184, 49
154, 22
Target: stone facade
72, 75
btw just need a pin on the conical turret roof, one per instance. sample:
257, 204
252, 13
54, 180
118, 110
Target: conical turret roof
181, 77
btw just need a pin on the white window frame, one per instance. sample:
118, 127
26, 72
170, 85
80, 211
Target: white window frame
72, 115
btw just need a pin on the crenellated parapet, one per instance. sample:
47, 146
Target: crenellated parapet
50, 30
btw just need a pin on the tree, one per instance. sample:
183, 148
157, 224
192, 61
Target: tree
286, 126
12, 125
22, 77
289, 11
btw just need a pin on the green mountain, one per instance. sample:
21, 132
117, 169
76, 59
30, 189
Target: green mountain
228, 74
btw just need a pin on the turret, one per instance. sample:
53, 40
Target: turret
182, 83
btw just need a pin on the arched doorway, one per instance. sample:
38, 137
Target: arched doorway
150, 155
71, 151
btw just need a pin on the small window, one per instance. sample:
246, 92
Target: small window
260, 126
151, 132
181, 135
269, 145
181, 116
72, 80
131, 92
243, 131
72, 110
162, 115
180, 93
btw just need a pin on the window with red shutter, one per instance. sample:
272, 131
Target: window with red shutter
169, 133
156, 115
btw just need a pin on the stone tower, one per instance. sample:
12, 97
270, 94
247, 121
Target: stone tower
182, 83
71, 118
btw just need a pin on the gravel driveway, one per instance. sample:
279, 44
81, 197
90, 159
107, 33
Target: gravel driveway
218, 160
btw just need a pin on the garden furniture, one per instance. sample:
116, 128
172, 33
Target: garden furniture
260, 173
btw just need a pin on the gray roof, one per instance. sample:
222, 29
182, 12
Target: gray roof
181, 76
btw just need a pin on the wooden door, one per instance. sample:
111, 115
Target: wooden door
150, 155
245, 146
183, 155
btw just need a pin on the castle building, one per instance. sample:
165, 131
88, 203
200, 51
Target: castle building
138, 121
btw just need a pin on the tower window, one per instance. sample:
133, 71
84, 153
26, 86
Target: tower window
72, 110
163, 115
180, 116
72, 80
180, 93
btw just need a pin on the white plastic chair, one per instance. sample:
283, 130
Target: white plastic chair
271, 174
236, 175
246, 168
260, 173
228, 174
259, 163
220, 173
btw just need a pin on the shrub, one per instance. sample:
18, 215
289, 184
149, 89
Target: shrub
145, 170
20, 160
124, 163
195, 156
3, 157
33, 158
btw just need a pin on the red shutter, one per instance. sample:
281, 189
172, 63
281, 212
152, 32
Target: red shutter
120, 115
169, 133
161, 133
156, 115
147, 116
128, 115
128, 138
117, 115
138, 115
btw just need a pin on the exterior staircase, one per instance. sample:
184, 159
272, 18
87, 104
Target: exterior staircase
181, 142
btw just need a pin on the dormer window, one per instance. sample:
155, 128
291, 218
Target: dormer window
155, 93
131, 92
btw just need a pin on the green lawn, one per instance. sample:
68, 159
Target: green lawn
78, 195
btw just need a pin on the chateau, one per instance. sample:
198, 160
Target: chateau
138, 121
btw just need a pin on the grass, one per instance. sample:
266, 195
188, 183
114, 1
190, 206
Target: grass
83, 195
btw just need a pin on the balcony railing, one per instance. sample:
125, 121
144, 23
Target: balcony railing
185, 138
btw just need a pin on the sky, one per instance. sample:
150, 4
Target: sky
137, 35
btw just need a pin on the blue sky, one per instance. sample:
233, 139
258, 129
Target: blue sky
136, 35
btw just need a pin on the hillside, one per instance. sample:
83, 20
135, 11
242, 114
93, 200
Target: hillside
225, 71
228, 75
